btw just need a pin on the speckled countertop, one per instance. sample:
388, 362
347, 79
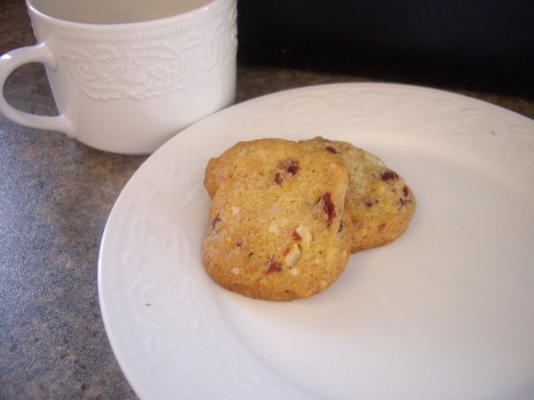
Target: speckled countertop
55, 196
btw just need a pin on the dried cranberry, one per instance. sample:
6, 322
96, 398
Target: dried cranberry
292, 169
278, 178
291, 166
273, 266
389, 175
405, 191
403, 202
329, 208
215, 221
370, 203
295, 235
331, 149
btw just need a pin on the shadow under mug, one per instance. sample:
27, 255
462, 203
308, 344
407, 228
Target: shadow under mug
128, 75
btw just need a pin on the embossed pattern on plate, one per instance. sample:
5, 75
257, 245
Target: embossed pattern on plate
177, 336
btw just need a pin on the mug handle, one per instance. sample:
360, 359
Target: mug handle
14, 59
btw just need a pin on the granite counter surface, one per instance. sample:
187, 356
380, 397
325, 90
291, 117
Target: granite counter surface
55, 197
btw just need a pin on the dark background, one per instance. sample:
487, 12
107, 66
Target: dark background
478, 44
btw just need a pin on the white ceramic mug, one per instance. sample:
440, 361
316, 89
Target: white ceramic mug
127, 75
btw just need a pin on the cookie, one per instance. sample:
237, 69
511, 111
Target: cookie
277, 226
381, 203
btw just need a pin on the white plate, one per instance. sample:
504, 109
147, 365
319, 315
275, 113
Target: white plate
444, 312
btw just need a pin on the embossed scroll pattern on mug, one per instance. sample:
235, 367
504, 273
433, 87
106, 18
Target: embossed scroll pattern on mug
149, 64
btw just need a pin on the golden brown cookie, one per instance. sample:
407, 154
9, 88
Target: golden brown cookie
381, 203
277, 228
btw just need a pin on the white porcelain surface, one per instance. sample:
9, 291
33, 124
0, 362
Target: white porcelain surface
129, 87
444, 312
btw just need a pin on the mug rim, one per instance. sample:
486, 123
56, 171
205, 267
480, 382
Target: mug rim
207, 7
